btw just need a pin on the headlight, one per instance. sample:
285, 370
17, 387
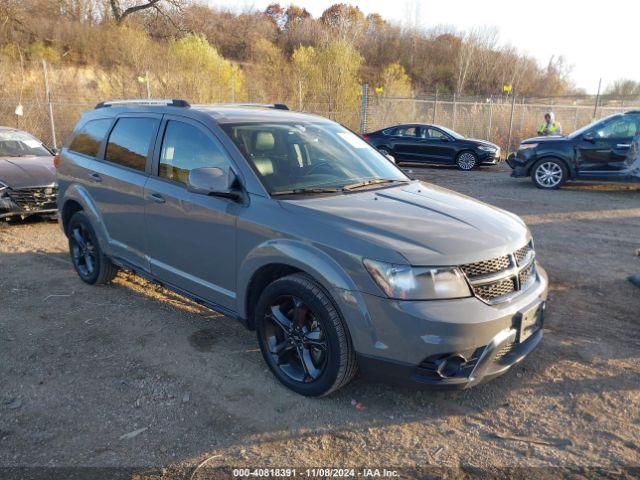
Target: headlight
404, 282
486, 148
527, 146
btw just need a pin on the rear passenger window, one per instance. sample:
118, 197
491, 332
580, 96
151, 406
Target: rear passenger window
130, 140
186, 147
88, 139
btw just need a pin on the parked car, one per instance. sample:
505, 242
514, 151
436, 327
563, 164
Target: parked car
301, 230
433, 144
27, 175
599, 151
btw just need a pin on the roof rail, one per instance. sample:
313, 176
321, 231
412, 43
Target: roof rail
277, 106
171, 102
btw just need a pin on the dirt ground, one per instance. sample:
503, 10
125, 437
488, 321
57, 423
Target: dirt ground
132, 375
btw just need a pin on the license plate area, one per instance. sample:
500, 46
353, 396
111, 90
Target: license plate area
530, 322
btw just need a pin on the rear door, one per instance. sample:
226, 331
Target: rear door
406, 143
116, 183
437, 146
191, 238
604, 150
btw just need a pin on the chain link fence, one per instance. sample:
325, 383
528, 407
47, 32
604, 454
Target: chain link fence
504, 120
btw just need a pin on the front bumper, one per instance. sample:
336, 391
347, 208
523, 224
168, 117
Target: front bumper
409, 341
25, 202
489, 158
521, 163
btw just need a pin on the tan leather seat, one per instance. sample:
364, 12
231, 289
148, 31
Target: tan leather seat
263, 143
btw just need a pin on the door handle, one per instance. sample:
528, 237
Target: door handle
156, 197
95, 177
623, 145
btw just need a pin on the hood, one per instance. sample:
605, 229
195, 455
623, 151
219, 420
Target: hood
477, 141
552, 138
423, 223
21, 172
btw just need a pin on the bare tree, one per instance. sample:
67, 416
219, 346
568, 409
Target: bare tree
121, 9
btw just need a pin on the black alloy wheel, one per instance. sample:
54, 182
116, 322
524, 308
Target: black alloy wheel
296, 341
302, 336
92, 266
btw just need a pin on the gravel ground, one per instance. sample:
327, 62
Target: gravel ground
132, 375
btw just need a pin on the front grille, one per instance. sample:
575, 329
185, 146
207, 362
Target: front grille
495, 279
486, 267
495, 290
523, 253
35, 199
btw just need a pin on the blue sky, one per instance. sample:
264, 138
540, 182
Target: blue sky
599, 39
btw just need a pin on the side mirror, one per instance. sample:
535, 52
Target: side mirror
391, 158
213, 181
55, 151
588, 137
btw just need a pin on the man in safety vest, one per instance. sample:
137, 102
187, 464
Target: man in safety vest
550, 126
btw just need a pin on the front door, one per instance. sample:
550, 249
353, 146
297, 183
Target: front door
436, 146
406, 143
191, 238
604, 149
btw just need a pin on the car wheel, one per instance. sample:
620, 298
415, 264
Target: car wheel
303, 338
549, 174
467, 161
92, 266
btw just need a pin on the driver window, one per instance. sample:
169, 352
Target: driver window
617, 129
433, 133
185, 147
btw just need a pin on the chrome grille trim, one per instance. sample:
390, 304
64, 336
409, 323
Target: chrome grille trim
498, 280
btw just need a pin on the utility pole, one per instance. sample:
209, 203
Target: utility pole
595, 108
50, 107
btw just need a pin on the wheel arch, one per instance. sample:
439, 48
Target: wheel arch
76, 198
276, 259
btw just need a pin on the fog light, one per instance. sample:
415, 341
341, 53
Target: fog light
451, 366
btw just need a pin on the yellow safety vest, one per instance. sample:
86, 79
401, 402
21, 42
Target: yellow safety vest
551, 129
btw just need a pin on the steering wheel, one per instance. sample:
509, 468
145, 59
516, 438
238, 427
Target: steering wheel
317, 166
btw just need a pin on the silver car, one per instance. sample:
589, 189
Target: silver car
306, 234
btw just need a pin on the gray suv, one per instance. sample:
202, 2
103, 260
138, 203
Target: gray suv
306, 234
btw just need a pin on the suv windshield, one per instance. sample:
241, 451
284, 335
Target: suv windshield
20, 144
304, 157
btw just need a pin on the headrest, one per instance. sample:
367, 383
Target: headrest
264, 141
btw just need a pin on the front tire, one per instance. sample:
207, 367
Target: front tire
91, 265
303, 338
466, 161
549, 174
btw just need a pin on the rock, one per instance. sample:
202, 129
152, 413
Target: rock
14, 403
186, 397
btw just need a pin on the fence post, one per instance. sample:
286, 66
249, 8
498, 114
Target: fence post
300, 94
513, 106
575, 118
146, 74
363, 108
435, 106
453, 120
50, 107
490, 117
595, 109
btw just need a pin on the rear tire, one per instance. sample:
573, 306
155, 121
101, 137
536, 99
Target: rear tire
91, 265
303, 338
466, 161
549, 174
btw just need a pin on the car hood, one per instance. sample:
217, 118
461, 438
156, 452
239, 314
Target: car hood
423, 223
557, 138
20, 172
481, 142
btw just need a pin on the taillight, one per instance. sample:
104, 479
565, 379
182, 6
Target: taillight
56, 160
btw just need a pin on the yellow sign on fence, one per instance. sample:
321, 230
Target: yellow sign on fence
507, 88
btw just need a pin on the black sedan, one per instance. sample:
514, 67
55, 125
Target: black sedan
433, 144
27, 176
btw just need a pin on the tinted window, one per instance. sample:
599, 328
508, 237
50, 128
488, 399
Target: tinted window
406, 132
88, 139
619, 128
130, 140
432, 133
185, 147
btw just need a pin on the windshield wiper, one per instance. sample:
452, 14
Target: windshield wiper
309, 190
366, 183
